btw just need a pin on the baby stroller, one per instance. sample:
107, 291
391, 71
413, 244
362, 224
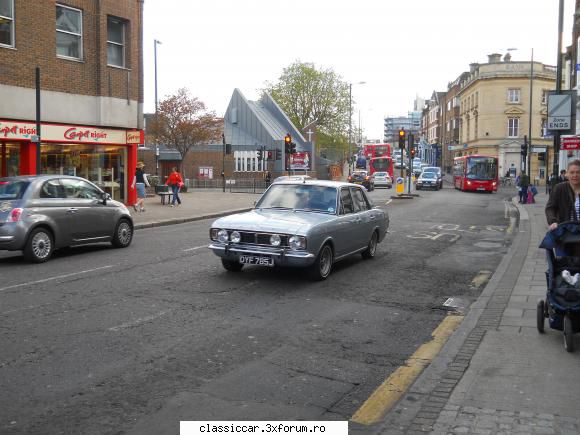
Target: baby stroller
562, 304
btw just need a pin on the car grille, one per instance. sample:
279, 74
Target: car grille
261, 239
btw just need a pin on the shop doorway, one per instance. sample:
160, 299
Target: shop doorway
9, 159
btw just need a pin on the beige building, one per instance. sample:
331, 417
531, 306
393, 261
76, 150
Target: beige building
495, 113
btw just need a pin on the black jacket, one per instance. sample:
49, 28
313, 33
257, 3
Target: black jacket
560, 207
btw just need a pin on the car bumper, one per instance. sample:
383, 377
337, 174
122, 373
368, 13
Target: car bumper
383, 184
12, 237
281, 257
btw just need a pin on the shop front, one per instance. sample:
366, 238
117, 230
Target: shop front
107, 157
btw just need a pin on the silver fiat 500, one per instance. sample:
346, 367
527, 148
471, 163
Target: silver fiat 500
41, 213
308, 223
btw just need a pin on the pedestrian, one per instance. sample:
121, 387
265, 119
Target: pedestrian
562, 177
523, 183
564, 202
140, 182
268, 178
175, 182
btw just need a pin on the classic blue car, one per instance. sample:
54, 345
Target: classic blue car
309, 223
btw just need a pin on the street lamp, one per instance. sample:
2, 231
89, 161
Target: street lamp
350, 124
155, 43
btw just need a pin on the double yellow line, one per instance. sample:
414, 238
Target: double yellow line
393, 388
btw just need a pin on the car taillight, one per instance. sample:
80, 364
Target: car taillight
14, 215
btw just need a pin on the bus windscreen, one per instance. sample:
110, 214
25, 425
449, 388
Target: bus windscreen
481, 168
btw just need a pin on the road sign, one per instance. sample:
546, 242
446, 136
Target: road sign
400, 186
570, 143
538, 149
559, 111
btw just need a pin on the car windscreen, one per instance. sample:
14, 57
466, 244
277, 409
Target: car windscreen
429, 175
12, 189
300, 196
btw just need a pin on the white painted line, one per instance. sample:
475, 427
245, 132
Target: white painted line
40, 281
195, 249
138, 321
388, 202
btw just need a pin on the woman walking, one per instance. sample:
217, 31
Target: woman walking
175, 182
140, 181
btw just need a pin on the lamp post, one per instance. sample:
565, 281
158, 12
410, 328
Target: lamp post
350, 124
155, 43
529, 165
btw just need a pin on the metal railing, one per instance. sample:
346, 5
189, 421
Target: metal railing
233, 185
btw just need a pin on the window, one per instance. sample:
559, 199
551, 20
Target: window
513, 127
346, 205
116, 41
52, 189
79, 189
544, 96
360, 202
69, 32
7, 23
513, 95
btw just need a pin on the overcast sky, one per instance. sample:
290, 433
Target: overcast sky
400, 48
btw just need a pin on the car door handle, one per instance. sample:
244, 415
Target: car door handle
372, 217
72, 210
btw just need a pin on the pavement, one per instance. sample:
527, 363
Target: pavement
496, 374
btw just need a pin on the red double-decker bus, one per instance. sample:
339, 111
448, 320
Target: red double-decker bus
372, 150
381, 164
475, 173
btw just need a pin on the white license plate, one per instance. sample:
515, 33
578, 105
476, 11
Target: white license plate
480, 188
257, 260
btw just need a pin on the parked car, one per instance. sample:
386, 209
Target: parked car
310, 224
383, 179
439, 173
41, 213
363, 178
427, 180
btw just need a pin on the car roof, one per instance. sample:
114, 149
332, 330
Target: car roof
31, 178
314, 182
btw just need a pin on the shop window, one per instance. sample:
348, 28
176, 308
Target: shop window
69, 32
7, 23
116, 42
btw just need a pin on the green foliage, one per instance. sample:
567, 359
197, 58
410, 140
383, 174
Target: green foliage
307, 95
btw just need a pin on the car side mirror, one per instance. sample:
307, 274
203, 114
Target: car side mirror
105, 197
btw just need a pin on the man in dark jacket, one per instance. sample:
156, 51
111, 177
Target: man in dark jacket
523, 184
561, 206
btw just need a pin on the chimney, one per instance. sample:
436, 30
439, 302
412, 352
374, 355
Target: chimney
494, 58
507, 57
473, 67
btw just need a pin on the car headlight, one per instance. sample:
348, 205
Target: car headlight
222, 236
235, 237
297, 242
275, 240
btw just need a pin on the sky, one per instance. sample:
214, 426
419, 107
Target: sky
400, 49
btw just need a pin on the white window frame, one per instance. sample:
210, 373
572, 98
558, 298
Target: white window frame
11, 20
514, 95
513, 127
123, 45
79, 35
545, 97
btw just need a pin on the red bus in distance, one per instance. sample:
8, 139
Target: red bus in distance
371, 150
381, 164
475, 173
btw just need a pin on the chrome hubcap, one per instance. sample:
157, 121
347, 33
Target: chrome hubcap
373, 244
41, 245
325, 261
124, 233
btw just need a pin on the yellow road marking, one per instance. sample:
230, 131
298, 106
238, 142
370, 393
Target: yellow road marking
393, 388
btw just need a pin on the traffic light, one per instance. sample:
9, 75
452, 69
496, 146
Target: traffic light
292, 148
525, 147
278, 154
402, 135
413, 151
260, 154
287, 142
269, 155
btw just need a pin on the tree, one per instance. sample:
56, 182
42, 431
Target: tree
183, 122
307, 94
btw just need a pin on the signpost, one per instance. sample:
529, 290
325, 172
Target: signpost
559, 111
570, 143
400, 188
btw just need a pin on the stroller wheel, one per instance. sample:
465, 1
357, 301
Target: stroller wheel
540, 316
568, 334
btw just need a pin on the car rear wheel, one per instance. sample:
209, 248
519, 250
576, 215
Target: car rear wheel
123, 234
231, 266
371, 250
39, 246
323, 265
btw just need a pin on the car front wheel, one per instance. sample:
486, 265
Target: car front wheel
323, 265
123, 234
39, 246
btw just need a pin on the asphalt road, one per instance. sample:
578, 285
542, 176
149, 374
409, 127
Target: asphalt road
100, 340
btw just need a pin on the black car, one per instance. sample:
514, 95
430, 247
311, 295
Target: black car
363, 178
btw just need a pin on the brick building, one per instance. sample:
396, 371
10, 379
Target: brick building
89, 56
